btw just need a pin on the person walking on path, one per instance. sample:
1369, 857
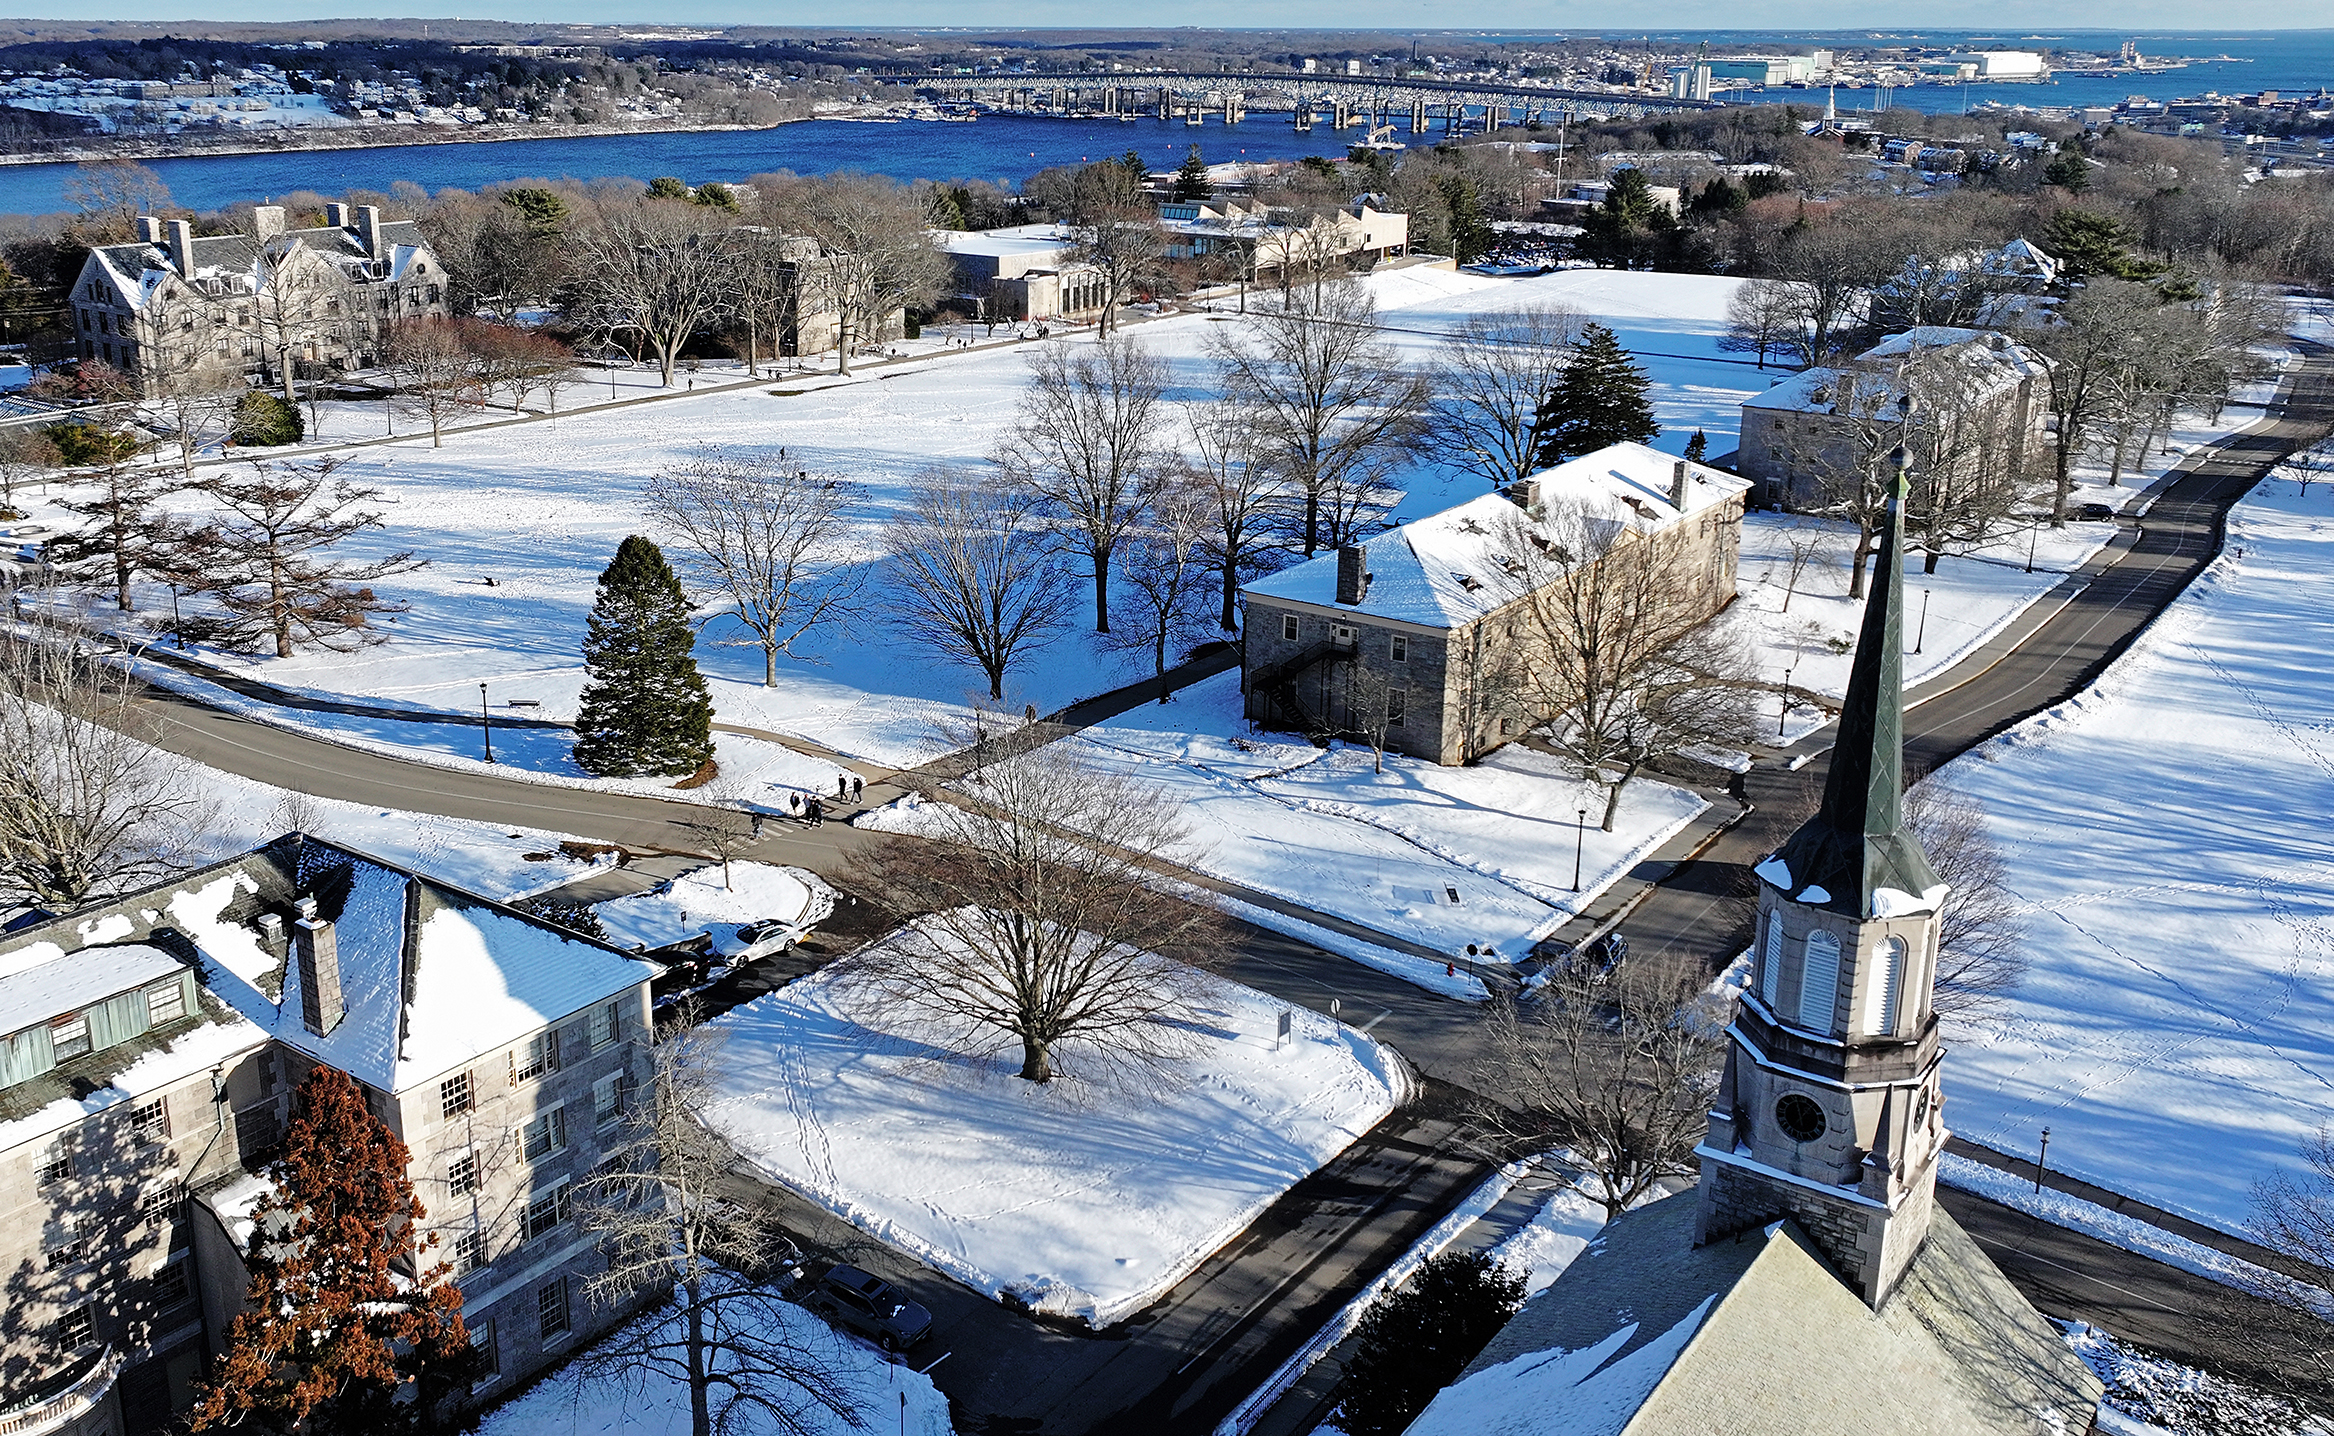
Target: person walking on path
794, 805
818, 814
842, 786
858, 788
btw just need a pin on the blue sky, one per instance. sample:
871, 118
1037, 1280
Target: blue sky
2028, 15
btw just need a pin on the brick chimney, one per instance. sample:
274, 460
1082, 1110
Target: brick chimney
336, 215
1677, 486
319, 950
149, 229
369, 225
1353, 575
267, 221
182, 248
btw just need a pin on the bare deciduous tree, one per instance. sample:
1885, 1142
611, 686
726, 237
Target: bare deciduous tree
439, 375
976, 581
1373, 705
2313, 465
875, 254
1981, 944
1088, 440
1229, 466
25, 453
667, 1227
1114, 232
1619, 1065
1489, 381
192, 390
1334, 401
269, 565
119, 537
1763, 317
87, 804
1805, 546
1041, 925
657, 268
765, 535
1167, 578
1611, 644
2101, 335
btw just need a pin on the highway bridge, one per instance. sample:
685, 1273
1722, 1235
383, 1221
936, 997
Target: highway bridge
1339, 101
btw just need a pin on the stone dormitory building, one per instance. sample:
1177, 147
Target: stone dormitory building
1432, 607
1811, 1284
149, 1051
320, 300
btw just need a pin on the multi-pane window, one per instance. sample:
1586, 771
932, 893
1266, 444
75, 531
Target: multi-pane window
608, 1097
1398, 648
606, 1023
77, 1328
546, 1210
1397, 700
57, 1166
257, 1130
454, 1094
151, 1122
462, 1174
540, 1055
65, 1247
468, 1252
166, 1003
171, 1288
546, 1136
482, 1342
69, 1035
1288, 628
551, 1308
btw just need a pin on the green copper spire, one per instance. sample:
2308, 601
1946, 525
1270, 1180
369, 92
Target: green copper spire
1856, 843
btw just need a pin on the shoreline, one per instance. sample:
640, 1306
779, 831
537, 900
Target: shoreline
375, 137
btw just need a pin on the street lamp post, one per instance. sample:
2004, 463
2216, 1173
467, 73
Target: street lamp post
1783, 718
2041, 1157
2031, 530
1579, 841
485, 724
1923, 635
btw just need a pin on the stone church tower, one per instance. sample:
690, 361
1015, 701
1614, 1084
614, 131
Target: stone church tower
1829, 1109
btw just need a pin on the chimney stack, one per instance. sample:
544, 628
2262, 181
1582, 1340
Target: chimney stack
319, 949
271, 933
336, 215
1353, 578
149, 229
267, 221
1677, 486
182, 248
369, 224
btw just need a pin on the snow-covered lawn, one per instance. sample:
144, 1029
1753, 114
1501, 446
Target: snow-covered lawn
1447, 857
1560, 1230
2165, 834
539, 508
1082, 1201
569, 1403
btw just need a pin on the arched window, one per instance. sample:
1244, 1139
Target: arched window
1819, 980
1771, 961
1880, 998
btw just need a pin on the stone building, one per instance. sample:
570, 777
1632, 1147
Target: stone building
149, 1052
1430, 610
1275, 245
1020, 274
1811, 1284
247, 305
1979, 399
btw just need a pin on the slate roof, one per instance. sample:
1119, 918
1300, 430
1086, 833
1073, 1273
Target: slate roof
139, 266
1439, 571
1648, 1335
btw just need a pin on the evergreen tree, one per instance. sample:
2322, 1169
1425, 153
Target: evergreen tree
1417, 1341
334, 1339
645, 706
1602, 399
1697, 448
1631, 229
1470, 231
1191, 178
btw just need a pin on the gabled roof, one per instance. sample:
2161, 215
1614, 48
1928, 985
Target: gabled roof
139, 268
431, 976
1648, 1335
1444, 571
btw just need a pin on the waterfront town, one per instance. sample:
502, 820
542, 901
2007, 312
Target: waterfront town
1637, 743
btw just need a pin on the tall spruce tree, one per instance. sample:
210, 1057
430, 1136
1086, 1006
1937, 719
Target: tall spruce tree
1191, 178
1602, 399
334, 1337
1417, 1341
645, 706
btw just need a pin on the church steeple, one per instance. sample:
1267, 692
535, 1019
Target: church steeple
1829, 1112
1856, 847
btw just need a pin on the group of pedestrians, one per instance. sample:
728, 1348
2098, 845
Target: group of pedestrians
810, 809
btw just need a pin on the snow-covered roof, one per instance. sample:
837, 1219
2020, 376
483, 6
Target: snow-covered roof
1648, 1332
995, 243
39, 981
139, 268
1445, 570
430, 976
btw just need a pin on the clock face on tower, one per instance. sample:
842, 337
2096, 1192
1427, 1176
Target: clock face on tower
1799, 1118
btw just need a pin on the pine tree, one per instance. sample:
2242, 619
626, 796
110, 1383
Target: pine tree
1418, 1340
1471, 235
1602, 399
334, 1338
120, 539
1698, 447
1191, 178
645, 706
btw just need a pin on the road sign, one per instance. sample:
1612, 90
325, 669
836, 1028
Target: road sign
1283, 1034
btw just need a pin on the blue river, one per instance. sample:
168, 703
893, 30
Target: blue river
1008, 148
